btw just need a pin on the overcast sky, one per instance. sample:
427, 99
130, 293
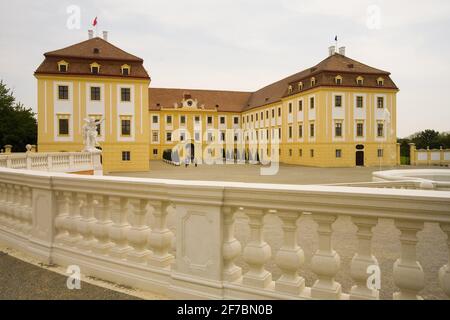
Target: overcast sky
247, 44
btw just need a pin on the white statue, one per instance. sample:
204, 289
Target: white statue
90, 134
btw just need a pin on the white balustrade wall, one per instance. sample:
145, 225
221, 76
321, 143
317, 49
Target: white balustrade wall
53, 161
117, 229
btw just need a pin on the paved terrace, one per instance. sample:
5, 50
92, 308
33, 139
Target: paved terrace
287, 174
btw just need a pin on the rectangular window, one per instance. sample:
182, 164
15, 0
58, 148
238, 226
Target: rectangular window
300, 105
169, 136
183, 120
222, 136
210, 136
155, 119
236, 120
380, 129
267, 114
126, 127
380, 102
338, 129
169, 119
95, 93
338, 153
63, 92
126, 155
300, 152
197, 136
125, 71
290, 107
155, 136
94, 70
155, 152
300, 131
279, 112
273, 113
338, 101
279, 133
63, 127
290, 152
256, 115
209, 120
359, 129
290, 132
62, 68
380, 153
311, 153
359, 101
125, 94
311, 103
262, 115
311, 130
222, 120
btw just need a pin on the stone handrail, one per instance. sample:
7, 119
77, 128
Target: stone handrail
438, 179
52, 161
116, 228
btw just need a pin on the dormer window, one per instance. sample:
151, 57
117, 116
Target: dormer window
359, 81
63, 66
125, 70
338, 80
290, 89
95, 68
96, 50
313, 82
380, 82
300, 86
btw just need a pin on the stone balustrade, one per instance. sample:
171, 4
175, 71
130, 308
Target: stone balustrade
178, 237
53, 161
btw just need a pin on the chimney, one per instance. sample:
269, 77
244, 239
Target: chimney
342, 51
331, 50
105, 35
91, 34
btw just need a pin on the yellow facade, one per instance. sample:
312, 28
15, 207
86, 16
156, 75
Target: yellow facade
110, 141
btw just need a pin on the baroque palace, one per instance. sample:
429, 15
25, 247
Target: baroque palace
338, 113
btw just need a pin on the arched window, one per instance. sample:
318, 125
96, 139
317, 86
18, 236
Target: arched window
95, 68
359, 81
380, 82
125, 70
63, 66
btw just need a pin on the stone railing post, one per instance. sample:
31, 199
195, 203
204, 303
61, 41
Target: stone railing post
231, 246
408, 273
290, 257
71, 161
198, 266
363, 259
8, 148
444, 272
412, 154
43, 211
139, 231
120, 227
257, 252
326, 262
160, 238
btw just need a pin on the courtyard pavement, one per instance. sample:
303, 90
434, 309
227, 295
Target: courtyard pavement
287, 174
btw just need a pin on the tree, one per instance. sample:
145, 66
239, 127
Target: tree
18, 125
426, 138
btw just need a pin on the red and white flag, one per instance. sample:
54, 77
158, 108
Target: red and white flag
94, 23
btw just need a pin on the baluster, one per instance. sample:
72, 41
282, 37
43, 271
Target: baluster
86, 221
63, 202
139, 232
257, 252
408, 273
363, 259
119, 229
71, 223
444, 271
160, 238
290, 257
326, 261
231, 246
100, 228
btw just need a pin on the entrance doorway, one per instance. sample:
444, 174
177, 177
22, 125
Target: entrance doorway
190, 149
360, 158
